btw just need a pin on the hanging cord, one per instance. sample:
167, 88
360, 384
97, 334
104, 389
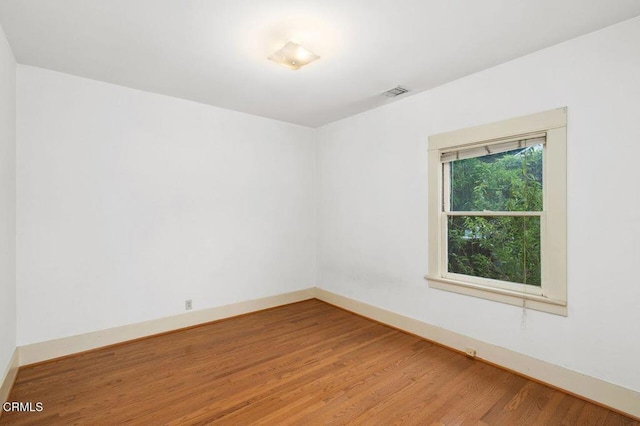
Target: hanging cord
523, 317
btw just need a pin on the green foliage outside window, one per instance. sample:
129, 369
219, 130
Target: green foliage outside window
499, 247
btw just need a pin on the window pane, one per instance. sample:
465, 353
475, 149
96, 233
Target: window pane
504, 248
508, 181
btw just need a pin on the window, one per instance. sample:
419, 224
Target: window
497, 211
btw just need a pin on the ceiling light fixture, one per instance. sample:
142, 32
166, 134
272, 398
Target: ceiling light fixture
293, 56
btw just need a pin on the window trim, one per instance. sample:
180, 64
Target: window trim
554, 215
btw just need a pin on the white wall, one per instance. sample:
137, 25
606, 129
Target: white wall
131, 202
7, 204
372, 216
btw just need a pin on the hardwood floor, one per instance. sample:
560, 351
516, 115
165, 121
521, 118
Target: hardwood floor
306, 363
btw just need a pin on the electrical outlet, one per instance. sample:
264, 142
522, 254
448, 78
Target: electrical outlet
188, 305
470, 352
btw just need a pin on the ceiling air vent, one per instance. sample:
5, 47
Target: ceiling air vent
396, 91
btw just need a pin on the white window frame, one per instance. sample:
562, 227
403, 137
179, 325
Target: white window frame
551, 296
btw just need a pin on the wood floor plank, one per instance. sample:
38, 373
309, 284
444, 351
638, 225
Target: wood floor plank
307, 363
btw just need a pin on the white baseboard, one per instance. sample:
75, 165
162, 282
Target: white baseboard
50, 349
599, 391
602, 392
6, 383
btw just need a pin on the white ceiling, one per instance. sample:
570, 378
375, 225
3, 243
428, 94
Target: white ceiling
214, 51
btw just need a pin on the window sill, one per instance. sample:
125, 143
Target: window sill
531, 301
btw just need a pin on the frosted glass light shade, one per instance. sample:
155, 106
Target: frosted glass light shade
293, 56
